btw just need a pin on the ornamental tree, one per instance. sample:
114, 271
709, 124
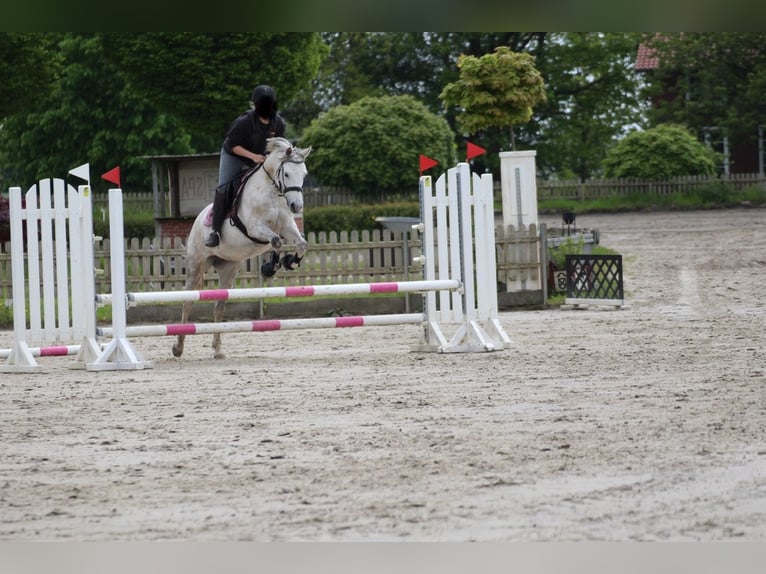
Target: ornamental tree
496, 90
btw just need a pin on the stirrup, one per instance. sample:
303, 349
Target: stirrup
213, 239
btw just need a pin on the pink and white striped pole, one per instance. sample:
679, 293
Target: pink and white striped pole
142, 298
268, 325
52, 351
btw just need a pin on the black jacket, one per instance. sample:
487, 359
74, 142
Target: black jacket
248, 131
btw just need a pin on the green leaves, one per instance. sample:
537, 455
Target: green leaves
90, 116
26, 72
494, 90
205, 79
711, 79
372, 145
659, 153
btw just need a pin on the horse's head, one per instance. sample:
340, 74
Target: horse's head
286, 166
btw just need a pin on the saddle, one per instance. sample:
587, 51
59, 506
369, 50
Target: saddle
233, 192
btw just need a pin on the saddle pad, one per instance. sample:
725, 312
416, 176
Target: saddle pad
207, 221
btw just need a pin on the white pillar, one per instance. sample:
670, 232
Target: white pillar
518, 182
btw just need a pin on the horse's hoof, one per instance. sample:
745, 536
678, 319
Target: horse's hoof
291, 262
177, 351
268, 269
219, 355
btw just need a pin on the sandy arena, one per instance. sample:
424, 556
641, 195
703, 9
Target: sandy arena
641, 424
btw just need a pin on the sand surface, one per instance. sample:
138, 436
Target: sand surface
646, 423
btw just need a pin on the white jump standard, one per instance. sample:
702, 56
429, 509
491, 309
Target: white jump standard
52, 269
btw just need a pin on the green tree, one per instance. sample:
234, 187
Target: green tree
90, 116
709, 79
205, 79
592, 91
497, 89
419, 64
591, 87
372, 145
658, 153
27, 71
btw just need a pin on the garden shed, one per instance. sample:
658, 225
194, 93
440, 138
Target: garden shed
182, 185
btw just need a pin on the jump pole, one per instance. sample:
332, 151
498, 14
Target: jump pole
265, 325
51, 351
143, 298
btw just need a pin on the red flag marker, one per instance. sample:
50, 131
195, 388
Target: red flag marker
113, 176
426, 163
473, 150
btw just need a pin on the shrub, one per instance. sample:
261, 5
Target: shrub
372, 145
355, 217
659, 153
136, 223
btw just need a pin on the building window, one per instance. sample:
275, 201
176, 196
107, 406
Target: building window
719, 143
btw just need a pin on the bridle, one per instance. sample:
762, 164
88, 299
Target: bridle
279, 181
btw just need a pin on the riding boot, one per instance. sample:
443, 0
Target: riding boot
219, 214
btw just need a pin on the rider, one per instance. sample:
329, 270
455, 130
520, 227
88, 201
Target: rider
244, 147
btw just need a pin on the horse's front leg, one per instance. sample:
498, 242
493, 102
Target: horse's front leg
264, 233
294, 235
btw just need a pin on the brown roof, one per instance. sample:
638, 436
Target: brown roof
646, 58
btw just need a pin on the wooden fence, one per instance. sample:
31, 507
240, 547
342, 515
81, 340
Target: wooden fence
599, 188
563, 189
519, 266
332, 258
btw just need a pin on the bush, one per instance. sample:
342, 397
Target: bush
136, 223
355, 217
659, 153
372, 145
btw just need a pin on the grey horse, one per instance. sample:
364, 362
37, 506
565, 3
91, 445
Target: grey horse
262, 218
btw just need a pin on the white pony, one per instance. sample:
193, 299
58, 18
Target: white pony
262, 216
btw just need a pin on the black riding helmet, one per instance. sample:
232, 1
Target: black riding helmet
264, 99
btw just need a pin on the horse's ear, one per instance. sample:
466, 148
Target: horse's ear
306, 151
